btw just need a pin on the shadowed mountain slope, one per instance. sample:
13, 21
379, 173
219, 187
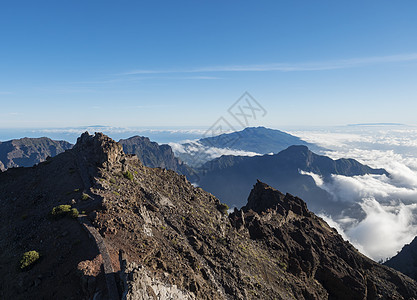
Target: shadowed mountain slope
406, 260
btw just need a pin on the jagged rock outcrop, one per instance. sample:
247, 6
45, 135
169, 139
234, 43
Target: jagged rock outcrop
176, 240
99, 149
310, 249
406, 260
27, 152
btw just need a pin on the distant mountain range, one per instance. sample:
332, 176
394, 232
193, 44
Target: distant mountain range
248, 142
230, 178
27, 152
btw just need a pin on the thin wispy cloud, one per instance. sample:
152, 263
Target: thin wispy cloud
288, 67
5, 93
152, 106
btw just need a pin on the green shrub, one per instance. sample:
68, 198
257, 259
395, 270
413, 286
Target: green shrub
64, 210
61, 210
223, 207
128, 175
85, 197
112, 180
74, 213
283, 265
29, 258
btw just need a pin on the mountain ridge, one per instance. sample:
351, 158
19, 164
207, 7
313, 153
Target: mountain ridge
281, 170
167, 237
250, 141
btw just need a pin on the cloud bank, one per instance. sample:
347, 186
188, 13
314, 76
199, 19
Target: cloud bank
382, 210
195, 154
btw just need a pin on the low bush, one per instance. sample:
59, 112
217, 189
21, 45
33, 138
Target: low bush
63, 211
128, 175
74, 213
223, 207
28, 259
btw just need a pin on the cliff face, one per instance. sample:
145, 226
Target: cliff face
153, 155
156, 234
27, 152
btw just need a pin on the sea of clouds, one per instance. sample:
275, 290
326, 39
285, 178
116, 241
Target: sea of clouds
195, 154
382, 210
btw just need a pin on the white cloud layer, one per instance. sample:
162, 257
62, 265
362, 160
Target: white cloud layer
388, 204
196, 154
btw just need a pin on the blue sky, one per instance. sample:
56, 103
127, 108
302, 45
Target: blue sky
184, 63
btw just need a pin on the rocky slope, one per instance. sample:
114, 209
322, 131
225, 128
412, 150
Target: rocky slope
230, 178
27, 152
153, 155
147, 233
406, 260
